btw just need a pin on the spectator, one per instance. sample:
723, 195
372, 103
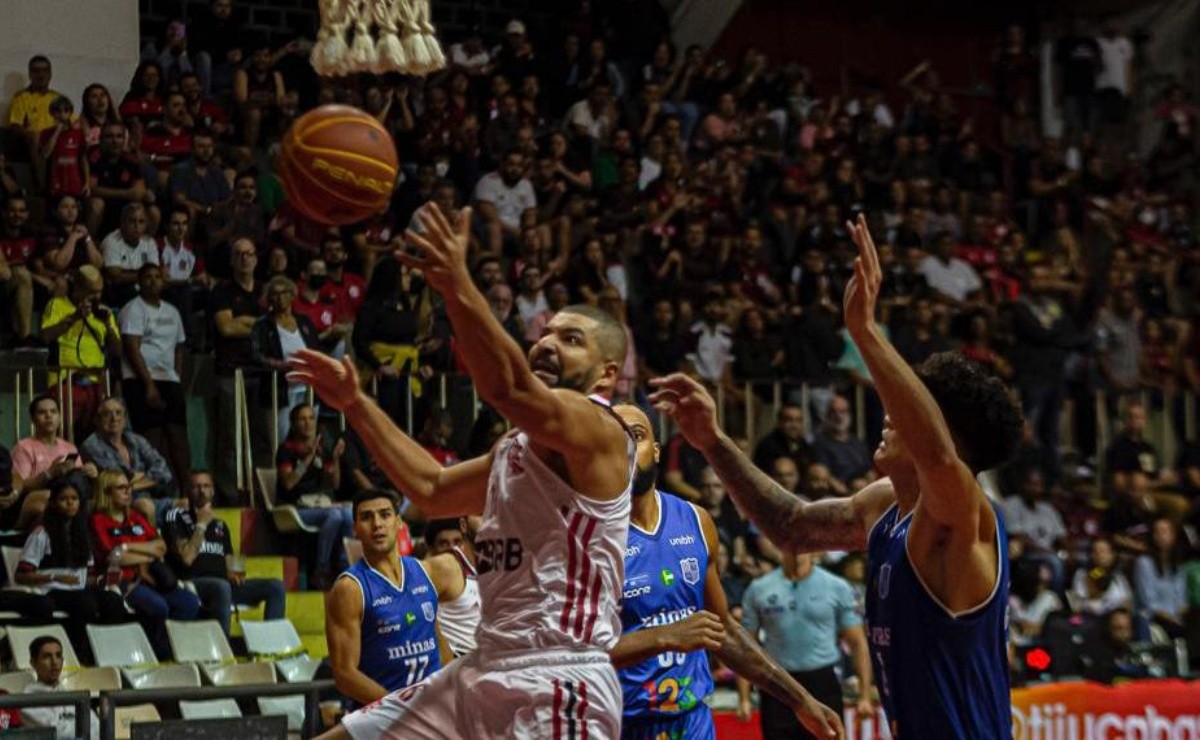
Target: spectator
835, 447
711, 342
277, 336
233, 218
168, 141
200, 550
309, 472
1099, 586
57, 565
197, 183
1120, 349
1079, 59
126, 251
1115, 79
920, 336
115, 180
235, 307
152, 369
500, 299
206, 114
62, 152
785, 440
82, 334
803, 611
325, 310
503, 197
1039, 525
1158, 581
682, 468
17, 250
218, 42
1031, 599
114, 447
127, 542
1109, 655
183, 273
348, 286
66, 245
145, 102
258, 90
46, 656
29, 110
41, 459
661, 347
531, 299
951, 278
591, 119
436, 435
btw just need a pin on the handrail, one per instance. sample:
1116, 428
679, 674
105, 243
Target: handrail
81, 700
110, 700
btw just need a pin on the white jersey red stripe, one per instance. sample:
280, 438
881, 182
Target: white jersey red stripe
551, 561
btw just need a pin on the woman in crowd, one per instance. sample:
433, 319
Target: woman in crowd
144, 103
130, 551
1030, 600
66, 245
310, 471
276, 337
1099, 587
57, 563
1159, 581
98, 110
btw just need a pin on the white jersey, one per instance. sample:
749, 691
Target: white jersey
458, 618
551, 561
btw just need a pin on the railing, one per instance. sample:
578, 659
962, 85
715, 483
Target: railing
80, 699
64, 379
110, 700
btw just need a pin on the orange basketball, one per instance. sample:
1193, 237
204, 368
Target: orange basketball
338, 165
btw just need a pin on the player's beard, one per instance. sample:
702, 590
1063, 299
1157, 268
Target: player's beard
581, 382
644, 479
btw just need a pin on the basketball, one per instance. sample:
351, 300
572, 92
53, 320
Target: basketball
338, 165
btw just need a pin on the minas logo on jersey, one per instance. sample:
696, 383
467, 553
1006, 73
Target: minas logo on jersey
1053, 722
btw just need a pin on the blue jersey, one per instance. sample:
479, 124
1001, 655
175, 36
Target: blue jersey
399, 645
940, 675
664, 583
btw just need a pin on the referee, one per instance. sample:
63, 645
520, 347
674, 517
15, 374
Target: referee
799, 612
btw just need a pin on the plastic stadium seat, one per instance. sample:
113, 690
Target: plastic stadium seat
232, 516
211, 709
299, 669
264, 566
163, 677
287, 518
306, 610
126, 716
12, 557
198, 641
92, 679
315, 645
290, 706
19, 639
240, 674
121, 645
15, 682
272, 637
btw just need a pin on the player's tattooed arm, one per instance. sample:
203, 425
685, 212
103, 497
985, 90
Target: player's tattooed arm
792, 524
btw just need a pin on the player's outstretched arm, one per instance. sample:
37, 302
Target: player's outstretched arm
700, 631
343, 631
795, 526
949, 493
561, 420
742, 653
438, 492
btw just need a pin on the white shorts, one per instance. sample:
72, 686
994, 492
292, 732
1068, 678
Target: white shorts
544, 696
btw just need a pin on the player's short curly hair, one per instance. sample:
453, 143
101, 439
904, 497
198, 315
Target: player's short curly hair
983, 414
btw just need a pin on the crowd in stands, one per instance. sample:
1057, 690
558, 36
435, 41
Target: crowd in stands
702, 200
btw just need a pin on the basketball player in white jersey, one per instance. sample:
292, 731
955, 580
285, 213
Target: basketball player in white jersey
383, 615
554, 494
458, 613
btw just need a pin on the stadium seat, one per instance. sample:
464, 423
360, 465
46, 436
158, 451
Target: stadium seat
198, 642
126, 716
19, 639
15, 682
287, 518
306, 610
240, 674
180, 675
298, 669
290, 706
211, 709
94, 680
272, 637
121, 645
232, 516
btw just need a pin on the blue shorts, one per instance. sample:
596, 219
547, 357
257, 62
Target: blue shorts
695, 725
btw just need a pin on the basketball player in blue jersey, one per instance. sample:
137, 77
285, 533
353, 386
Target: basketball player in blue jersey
674, 609
936, 547
381, 614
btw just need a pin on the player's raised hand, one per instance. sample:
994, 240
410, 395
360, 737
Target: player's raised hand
700, 631
441, 251
335, 382
862, 292
820, 720
687, 402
